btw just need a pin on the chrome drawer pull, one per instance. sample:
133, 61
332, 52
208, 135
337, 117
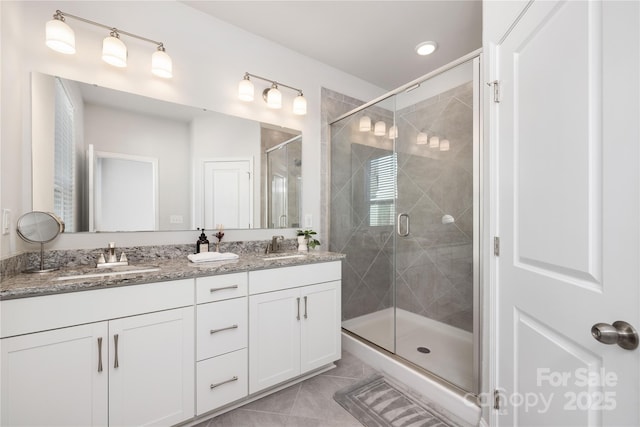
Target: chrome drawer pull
305, 307
212, 290
213, 331
212, 386
115, 341
100, 354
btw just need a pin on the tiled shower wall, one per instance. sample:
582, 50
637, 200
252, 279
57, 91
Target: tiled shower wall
434, 264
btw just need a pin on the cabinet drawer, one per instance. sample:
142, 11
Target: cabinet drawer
291, 277
221, 380
218, 288
26, 315
221, 327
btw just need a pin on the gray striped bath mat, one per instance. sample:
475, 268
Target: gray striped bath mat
375, 402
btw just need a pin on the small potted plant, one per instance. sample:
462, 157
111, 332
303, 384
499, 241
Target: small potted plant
307, 240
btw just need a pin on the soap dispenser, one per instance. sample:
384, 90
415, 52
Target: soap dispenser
202, 245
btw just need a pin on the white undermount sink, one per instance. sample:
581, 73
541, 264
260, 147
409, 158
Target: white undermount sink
284, 256
119, 271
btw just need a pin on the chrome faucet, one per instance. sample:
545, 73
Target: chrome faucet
111, 255
276, 242
111, 259
275, 245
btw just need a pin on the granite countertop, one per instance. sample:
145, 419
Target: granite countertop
30, 285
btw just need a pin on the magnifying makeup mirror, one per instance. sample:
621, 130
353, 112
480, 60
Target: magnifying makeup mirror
39, 227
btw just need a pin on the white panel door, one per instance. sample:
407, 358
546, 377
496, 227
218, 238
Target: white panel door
227, 194
568, 213
152, 382
320, 333
274, 338
125, 192
55, 378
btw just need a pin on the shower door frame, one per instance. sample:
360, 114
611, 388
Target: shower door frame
479, 221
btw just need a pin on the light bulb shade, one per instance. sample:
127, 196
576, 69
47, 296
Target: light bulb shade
60, 37
161, 64
444, 145
393, 132
380, 129
245, 90
365, 124
114, 52
422, 139
274, 98
434, 142
299, 105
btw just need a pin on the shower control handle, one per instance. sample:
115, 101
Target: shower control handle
620, 333
407, 230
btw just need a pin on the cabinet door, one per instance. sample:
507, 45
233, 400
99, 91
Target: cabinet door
151, 369
320, 334
274, 338
54, 378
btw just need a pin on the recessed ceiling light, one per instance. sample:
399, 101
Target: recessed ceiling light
426, 48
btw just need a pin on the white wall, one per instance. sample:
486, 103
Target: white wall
209, 58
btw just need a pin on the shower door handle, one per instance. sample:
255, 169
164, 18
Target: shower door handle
407, 229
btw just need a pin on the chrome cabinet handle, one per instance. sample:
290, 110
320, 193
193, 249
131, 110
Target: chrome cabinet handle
400, 233
298, 316
305, 307
100, 354
212, 290
115, 342
213, 331
620, 333
212, 386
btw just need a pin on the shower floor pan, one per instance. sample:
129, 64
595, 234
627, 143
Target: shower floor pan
450, 353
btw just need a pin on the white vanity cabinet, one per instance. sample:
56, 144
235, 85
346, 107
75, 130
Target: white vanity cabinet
91, 358
53, 378
221, 340
294, 322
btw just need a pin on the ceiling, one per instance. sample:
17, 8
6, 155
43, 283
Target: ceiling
372, 40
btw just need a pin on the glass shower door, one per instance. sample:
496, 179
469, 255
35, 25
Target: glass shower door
362, 221
434, 274
404, 191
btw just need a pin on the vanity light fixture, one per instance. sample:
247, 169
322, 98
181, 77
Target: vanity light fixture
114, 52
426, 48
245, 89
444, 145
393, 132
422, 138
380, 128
434, 142
365, 124
61, 38
272, 95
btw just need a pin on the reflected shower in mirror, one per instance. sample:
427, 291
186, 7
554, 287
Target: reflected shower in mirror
284, 182
106, 160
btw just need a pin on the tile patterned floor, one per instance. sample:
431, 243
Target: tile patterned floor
307, 404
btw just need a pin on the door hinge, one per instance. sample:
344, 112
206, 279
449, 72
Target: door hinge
496, 400
496, 246
496, 90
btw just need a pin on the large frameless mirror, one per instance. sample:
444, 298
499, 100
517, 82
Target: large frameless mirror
106, 160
